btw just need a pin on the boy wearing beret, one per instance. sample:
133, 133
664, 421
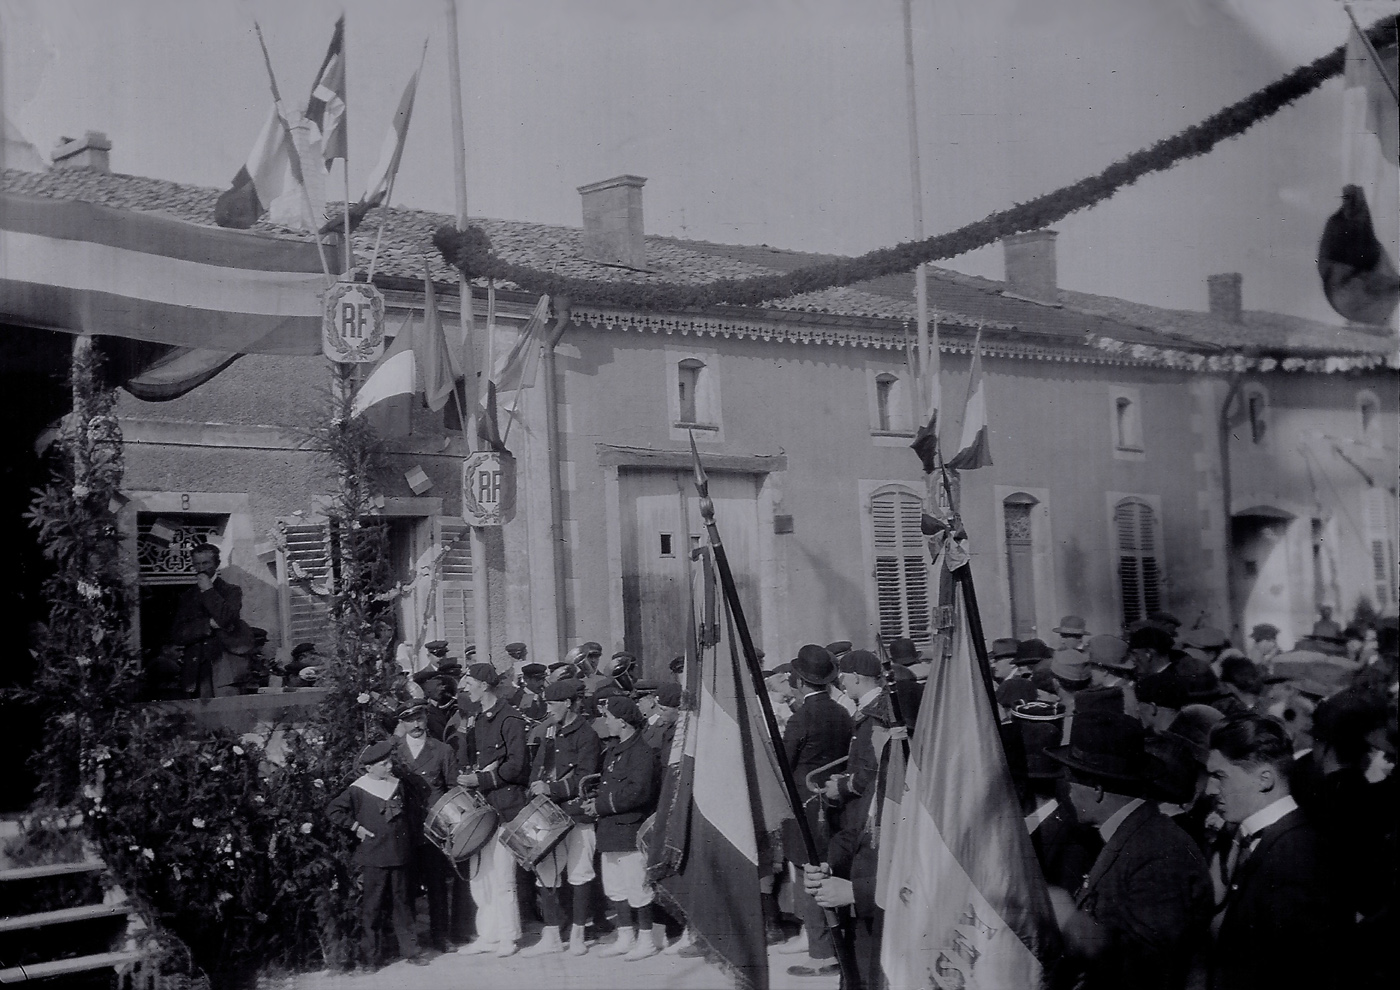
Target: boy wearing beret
626, 794
569, 751
373, 807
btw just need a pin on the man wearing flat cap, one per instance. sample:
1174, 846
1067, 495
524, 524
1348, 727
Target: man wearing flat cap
819, 733
862, 680
569, 751
499, 771
432, 768
1141, 918
375, 809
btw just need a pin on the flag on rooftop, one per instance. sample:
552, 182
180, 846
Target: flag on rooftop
965, 902
974, 450
263, 178
381, 179
326, 108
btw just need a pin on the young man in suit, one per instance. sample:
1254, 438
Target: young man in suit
1141, 917
1278, 924
818, 733
374, 808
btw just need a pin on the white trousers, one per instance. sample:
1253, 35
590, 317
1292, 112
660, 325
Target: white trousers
493, 890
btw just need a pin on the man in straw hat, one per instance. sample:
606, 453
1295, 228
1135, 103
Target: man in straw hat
373, 807
1144, 908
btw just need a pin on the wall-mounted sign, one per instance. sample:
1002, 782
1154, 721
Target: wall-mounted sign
352, 326
488, 488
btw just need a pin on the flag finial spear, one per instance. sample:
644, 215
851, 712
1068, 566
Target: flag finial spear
702, 487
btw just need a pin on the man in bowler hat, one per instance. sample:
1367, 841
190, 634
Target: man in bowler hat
1141, 916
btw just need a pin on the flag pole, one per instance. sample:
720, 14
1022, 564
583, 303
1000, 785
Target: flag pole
345, 162
929, 358
294, 157
1371, 53
481, 600
845, 957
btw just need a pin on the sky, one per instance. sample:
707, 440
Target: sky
780, 122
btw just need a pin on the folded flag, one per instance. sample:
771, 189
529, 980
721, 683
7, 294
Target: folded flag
974, 450
965, 902
395, 374
326, 108
1358, 276
926, 440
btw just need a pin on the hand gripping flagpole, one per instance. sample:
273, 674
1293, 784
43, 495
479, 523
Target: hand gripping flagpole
845, 958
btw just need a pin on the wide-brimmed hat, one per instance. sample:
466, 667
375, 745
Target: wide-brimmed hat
1107, 747
1192, 726
903, 650
1110, 653
1032, 651
1072, 625
815, 665
1003, 649
1265, 630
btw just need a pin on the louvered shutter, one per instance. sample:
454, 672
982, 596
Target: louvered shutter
901, 576
1382, 548
1139, 572
454, 594
304, 573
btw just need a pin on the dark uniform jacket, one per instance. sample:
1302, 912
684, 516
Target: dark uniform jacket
391, 845
566, 755
858, 784
819, 731
530, 704
435, 768
1280, 924
626, 794
1150, 893
659, 736
499, 737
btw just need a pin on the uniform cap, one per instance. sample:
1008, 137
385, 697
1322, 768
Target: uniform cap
565, 690
375, 752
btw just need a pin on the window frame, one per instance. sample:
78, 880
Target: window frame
909, 546
1153, 503
1128, 440
708, 424
1257, 418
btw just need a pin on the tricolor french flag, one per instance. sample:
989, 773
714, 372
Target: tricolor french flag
974, 450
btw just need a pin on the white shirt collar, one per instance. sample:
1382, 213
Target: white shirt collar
415, 745
1266, 816
1118, 818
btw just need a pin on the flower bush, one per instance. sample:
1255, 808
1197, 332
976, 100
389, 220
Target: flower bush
220, 841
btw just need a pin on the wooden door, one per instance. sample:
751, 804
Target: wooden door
661, 524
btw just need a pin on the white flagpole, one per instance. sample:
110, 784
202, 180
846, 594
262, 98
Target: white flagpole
929, 360
481, 600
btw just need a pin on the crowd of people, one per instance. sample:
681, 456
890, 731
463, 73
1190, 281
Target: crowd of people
1204, 816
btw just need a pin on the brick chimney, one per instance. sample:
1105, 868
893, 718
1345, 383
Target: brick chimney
88, 151
1030, 265
1225, 298
612, 222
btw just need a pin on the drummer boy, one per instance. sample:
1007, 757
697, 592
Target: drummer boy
569, 751
373, 807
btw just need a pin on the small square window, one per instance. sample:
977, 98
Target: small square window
666, 550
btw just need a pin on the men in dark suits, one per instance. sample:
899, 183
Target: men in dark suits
432, 772
818, 733
1278, 924
499, 770
373, 807
208, 625
1142, 914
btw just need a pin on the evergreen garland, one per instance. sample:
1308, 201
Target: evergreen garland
470, 251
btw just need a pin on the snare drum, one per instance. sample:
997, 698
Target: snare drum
538, 828
460, 823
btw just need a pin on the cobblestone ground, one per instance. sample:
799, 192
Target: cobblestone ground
554, 972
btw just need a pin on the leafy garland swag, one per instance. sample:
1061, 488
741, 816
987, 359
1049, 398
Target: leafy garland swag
470, 250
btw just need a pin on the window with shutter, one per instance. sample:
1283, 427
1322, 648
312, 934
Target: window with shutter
1020, 551
454, 604
305, 573
1139, 572
901, 574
